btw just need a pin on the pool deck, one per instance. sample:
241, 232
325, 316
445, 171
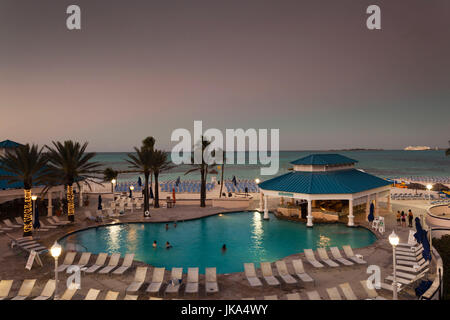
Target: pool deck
232, 286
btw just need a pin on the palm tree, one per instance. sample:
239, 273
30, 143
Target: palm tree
142, 162
203, 167
70, 163
109, 174
222, 171
25, 164
159, 164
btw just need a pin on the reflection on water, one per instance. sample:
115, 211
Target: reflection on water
114, 236
323, 242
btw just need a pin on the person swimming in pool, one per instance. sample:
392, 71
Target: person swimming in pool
224, 248
167, 226
154, 244
168, 245
174, 224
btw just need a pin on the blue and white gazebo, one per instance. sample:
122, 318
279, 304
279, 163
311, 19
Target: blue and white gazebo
326, 177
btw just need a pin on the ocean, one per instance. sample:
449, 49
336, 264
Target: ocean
382, 163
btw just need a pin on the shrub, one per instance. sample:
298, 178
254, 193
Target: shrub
442, 245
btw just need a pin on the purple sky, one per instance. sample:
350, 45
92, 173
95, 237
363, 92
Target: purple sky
310, 68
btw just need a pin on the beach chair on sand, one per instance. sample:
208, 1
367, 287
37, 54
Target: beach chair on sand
300, 271
5, 288
284, 273
271, 297
313, 295
84, 260
192, 281
48, 291
157, 280
68, 260
371, 293
25, 289
293, 296
68, 294
348, 292
99, 263
130, 297
112, 264
267, 273
139, 279
92, 294
309, 255
175, 282
324, 257
127, 262
333, 293
338, 257
211, 285
111, 295
250, 274
349, 253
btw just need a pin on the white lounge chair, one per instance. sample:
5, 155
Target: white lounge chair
157, 280
127, 262
324, 257
53, 223
19, 221
99, 263
57, 220
5, 288
175, 282
111, 295
293, 296
25, 289
338, 257
139, 279
271, 297
309, 255
9, 224
46, 226
84, 260
130, 297
68, 261
371, 293
415, 268
333, 293
300, 271
348, 292
349, 253
313, 295
48, 291
266, 270
68, 294
211, 285
284, 273
192, 281
250, 274
112, 264
92, 294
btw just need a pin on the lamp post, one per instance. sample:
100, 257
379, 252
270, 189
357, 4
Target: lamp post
131, 191
34, 198
429, 187
257, 181
55, 251
113, 183
393, 240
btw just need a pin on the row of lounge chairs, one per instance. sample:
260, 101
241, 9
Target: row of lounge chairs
100, 265
175, 282
333, 294
325, 259
27, 244
53, 221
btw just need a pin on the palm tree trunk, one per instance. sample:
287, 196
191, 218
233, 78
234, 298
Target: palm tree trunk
221, 180
146, 206
27, 214
156, 190
70, 203
203, 187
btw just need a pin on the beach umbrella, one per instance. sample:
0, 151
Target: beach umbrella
139, 182
173, 195
99, 207
151, 193
234, 180
370, 217
36, 223
418, 235
426, 246
177, 182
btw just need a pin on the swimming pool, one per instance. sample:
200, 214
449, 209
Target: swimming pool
198, 243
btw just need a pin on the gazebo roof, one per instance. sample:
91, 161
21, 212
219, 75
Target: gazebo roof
9, 144
324, 182
324, 159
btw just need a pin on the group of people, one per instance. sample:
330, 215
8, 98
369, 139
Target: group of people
401, 218
168, 245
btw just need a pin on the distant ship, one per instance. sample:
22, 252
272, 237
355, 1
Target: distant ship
417, 148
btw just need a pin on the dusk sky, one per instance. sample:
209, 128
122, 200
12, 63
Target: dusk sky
310, 68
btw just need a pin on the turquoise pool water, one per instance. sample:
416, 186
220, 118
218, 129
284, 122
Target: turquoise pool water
198, 243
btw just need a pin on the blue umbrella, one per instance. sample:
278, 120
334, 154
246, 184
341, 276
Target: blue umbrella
99, 207
370, 217
426, 246
131, 195
418, 235
234, 180
139, 182
151, 193
177, 182
36, 224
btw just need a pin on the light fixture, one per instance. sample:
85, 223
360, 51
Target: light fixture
429, 186
113, 181
34, 198
131, 188
257, 181
55, 250
393, 239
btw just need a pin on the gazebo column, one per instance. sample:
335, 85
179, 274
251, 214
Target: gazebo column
261, 204
388, 202
266, 208
367, 206
351, 217
49, 206
376, 205
309, 217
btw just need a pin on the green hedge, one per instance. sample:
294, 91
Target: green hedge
442, 245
